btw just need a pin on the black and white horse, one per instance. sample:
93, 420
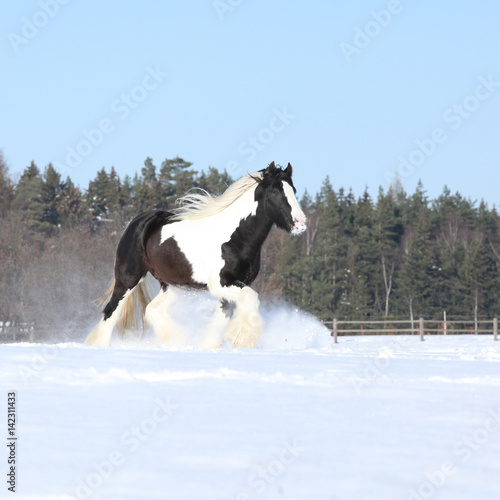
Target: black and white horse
208, 242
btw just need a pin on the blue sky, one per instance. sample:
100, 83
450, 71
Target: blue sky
355, 90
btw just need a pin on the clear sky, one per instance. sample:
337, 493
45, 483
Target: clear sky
355, 90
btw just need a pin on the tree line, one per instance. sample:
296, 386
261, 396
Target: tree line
398, 256
395, 256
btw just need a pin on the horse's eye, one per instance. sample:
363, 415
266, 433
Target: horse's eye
276, 192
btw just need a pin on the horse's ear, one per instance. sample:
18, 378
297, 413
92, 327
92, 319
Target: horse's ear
271, 168
289, 170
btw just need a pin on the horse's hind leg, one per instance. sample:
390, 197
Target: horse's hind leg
158, 316
130, 268
101, 335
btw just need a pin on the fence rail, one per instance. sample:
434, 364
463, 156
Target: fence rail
17, 332
26, 331
420, 327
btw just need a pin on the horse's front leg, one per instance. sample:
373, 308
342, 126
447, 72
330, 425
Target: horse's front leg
214, 334
245, 327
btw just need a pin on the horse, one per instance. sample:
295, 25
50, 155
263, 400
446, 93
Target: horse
206, 243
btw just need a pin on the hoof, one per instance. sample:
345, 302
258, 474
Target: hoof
101, 334
245, 334
208, 344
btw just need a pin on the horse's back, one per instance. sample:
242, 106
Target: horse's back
130, 254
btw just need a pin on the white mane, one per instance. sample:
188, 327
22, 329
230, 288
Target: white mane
201, 204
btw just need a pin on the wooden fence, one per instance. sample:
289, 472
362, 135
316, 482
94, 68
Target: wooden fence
26, 332
421, 327
18, 332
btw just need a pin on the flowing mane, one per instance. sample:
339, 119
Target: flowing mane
201, 204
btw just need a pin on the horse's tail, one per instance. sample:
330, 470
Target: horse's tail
105, 298
132, 317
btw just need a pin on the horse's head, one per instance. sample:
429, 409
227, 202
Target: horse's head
277, 193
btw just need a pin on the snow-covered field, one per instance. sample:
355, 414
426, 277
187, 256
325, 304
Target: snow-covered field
297, 418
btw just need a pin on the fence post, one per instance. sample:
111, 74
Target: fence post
421, 328
444, 324
335, 330
495, 329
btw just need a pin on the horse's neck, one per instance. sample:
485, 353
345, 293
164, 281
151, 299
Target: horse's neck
260, 227
253, 230
249, 220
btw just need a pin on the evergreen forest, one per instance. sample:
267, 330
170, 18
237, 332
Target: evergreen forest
387, 255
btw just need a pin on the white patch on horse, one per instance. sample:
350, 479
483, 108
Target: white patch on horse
158, 316
298, 216
193, 235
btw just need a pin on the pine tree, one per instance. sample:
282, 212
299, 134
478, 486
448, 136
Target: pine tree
328, 260
97, 200
70, 206
148, 191
29, 205
480, 278
488, 222
128, 193
6, 188
362, 259
450, 218
388, 231
214, 181
51, 193
418, 269
116, 198
176, 178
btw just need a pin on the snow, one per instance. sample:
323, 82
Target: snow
379, 417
